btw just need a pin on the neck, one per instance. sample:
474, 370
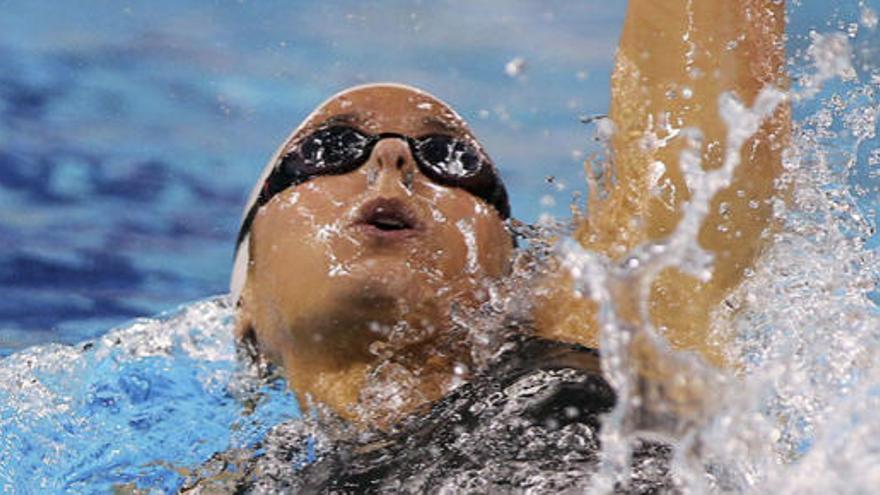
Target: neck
376, 373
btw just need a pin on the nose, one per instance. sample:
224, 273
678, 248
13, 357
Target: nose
391, 164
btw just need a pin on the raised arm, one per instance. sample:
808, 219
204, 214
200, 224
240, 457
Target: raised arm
674, 60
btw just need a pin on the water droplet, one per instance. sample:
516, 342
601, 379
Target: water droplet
868, 18
515, 67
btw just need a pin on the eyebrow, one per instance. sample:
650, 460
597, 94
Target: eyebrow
435, 123
442, 124
343, 118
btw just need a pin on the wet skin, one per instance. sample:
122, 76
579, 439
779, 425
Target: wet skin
319, 278
348, 269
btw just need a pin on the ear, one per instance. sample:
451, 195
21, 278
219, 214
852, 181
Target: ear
244, 320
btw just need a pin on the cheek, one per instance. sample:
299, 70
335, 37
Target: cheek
297, 241
495, 257
475, 241
283, 264
314, 215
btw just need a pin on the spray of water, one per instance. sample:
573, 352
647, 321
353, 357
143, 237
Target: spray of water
797, 414
647, 402
803, 331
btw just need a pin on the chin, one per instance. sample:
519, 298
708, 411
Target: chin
392, 275
387, 293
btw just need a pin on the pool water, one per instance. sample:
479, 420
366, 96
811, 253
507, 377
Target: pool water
131, 135
134, 407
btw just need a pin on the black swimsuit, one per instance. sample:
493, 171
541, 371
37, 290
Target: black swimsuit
530, 422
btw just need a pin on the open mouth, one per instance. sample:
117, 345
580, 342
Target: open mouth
387, 218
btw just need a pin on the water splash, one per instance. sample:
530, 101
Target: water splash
797, 416
670, 410
137, 407
805, 331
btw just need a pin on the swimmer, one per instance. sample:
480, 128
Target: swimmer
382, 217
378, 218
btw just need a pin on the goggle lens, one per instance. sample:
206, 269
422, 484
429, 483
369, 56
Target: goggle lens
331, 150
336, 150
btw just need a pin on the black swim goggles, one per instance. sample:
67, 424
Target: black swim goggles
339, 149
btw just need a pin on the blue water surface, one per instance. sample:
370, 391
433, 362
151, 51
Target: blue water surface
140, 407
131, 133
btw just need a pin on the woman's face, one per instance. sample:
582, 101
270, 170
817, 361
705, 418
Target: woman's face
340, 260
